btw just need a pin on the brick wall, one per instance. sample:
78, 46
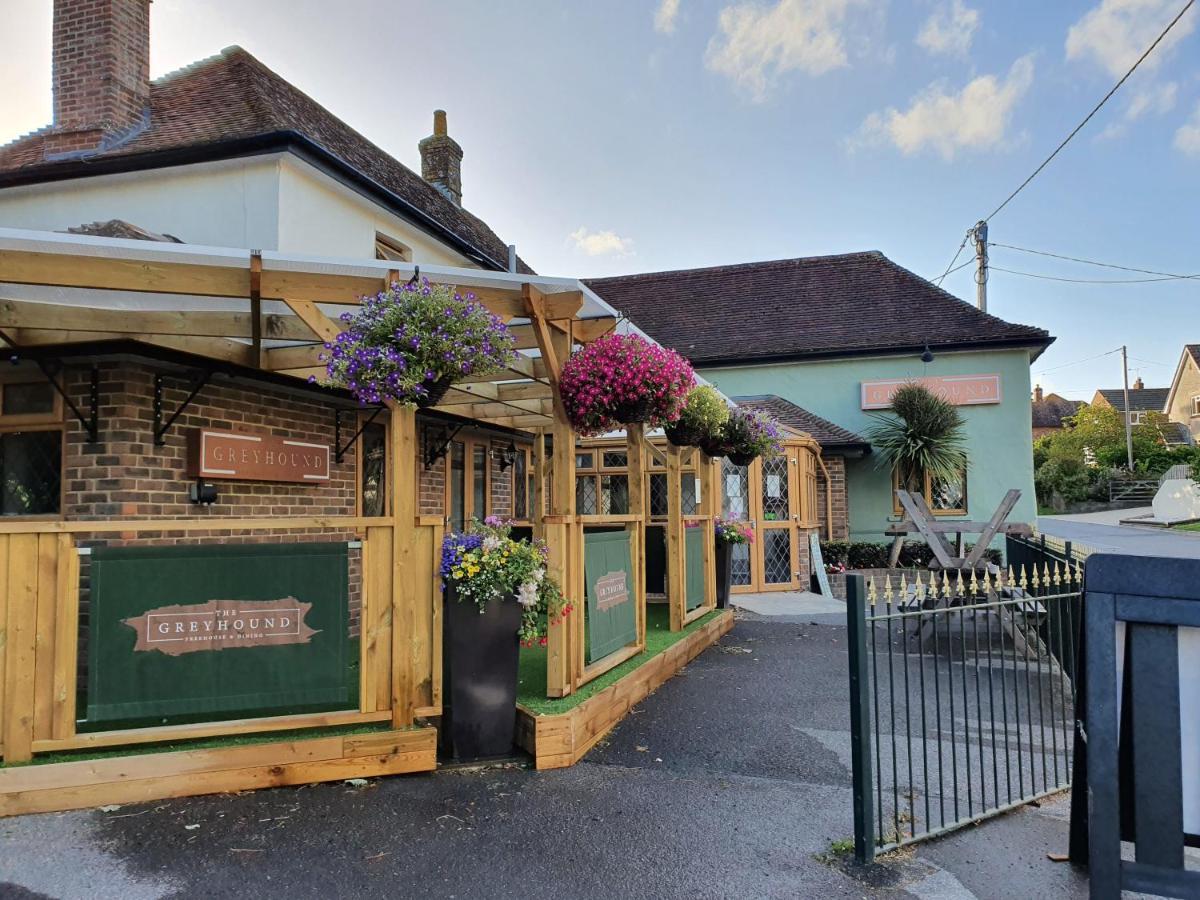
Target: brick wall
124, 475
432, 481
837, 493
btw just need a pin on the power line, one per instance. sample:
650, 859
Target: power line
1095, 110
1090, 280
1079, 362
1091, 262
950, 267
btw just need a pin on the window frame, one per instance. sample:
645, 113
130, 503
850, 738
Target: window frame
20, 423
385, 245
1196, 405
898, 510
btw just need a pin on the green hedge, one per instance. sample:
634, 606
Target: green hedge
873, 555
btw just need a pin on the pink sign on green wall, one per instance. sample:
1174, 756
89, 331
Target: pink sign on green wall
961, 390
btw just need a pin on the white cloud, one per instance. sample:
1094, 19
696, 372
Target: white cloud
975, 118
1187, 138
601, 243
1115, 33
950, 29
1157, 99
755, 43
665, 16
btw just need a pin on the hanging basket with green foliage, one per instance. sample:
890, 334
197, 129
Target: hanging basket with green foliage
703, 416
749, 434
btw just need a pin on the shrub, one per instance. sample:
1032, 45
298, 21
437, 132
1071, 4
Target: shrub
874, 555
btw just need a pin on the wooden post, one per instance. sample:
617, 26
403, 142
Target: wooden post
564, 658
709, 507
635, 449
406, 567
536, 500
20, 645
676, 563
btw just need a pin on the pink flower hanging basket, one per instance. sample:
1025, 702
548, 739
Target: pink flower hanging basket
621, 379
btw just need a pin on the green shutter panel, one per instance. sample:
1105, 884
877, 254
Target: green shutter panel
202, 633
611, 593
693, 543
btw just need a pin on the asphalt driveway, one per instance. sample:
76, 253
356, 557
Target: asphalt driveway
731, 781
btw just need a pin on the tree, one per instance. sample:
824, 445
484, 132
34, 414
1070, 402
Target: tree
923, 436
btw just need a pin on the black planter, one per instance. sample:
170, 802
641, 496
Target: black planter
479, 677
713, 447
435, 391
681, 436
742, 459
724, 559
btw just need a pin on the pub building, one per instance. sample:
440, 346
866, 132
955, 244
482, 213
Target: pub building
197, 545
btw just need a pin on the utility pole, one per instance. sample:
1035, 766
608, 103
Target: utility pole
980, 233
1128, 417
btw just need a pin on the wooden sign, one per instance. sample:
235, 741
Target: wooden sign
255, 456
961, 390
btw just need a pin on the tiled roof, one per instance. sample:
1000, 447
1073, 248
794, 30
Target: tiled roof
232, 96
1145, 399
850, 304
1175, 433
824, 432
1194, 351
1050, 411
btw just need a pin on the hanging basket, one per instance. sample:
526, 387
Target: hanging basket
681, 436
714, 447
741, 459
435, 392
634, 411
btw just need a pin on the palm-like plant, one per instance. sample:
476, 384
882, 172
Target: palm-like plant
924, 435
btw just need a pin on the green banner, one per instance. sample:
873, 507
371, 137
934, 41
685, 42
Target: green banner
201, 633
611, 597
693, 548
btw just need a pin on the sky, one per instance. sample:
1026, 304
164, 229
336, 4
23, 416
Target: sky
624, 136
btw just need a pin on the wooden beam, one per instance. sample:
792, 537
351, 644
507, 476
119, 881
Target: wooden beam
310, 314
24, 314
256, 307
297, 357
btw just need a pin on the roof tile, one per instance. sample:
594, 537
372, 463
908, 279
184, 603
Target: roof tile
808, 307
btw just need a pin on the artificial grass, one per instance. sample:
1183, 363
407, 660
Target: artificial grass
1195, 526
231, 740
531, 674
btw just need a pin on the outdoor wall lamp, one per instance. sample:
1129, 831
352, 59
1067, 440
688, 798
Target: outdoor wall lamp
927, 356
505, 455
203, 492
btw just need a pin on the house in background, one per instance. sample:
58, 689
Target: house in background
1049, 411
1143, 402
832, 337
1183, 400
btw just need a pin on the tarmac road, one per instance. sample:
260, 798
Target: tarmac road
1102, 533
731, 781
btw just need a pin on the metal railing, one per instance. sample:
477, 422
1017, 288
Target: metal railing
962, 697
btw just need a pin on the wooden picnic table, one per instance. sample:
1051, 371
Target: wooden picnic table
919, 518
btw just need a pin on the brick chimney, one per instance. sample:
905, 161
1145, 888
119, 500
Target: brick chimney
1139, 384
441, 160
101, 74
1037, 394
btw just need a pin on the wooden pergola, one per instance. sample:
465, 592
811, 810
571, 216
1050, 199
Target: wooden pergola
273, 312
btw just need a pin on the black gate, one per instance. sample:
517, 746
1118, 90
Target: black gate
963, 695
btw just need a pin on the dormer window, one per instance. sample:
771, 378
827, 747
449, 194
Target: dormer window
391, 249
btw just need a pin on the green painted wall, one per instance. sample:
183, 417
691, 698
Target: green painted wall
999, 435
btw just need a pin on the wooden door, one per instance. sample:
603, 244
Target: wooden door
777, 502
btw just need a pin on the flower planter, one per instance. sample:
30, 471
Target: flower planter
713, 448
479, 676
681, 436
435, 392
634, 411
724, 559
742, 459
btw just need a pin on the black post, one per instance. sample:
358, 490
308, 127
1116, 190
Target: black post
860, 719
